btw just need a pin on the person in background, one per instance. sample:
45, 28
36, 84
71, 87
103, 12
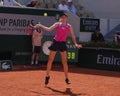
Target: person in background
36, 42
71, 7
97, 36
63, 6
117, 38
11, 3
1, 2
33, 3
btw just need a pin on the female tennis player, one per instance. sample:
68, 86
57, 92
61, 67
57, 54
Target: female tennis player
59, 44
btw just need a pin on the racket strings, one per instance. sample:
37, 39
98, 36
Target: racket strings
30, 29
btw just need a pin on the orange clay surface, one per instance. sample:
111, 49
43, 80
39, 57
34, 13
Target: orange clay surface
84, 82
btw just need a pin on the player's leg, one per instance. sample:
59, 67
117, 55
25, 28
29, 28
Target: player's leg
49, 65
65, 65
50, 61
64, 62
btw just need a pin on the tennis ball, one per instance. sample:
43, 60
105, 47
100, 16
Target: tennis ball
45, 14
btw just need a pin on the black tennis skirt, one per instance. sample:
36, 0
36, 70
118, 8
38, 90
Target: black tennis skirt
58, 46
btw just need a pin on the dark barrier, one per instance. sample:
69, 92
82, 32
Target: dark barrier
5, 61
18, 48
5, 55
99, 58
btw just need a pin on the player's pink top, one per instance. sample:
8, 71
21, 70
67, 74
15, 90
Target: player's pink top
62, 32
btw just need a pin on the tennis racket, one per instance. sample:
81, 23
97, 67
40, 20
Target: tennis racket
29, 29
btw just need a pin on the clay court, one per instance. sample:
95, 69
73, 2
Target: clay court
85, 82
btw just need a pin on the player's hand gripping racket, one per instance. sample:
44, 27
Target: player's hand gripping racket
78, 46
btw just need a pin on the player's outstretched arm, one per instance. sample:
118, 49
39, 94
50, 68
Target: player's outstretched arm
49, 29
74, 39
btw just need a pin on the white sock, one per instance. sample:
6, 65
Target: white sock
32, 62
36, 62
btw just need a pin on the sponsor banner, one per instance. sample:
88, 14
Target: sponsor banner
89, 24
108, 60
99, 59
15, 24
6, 65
